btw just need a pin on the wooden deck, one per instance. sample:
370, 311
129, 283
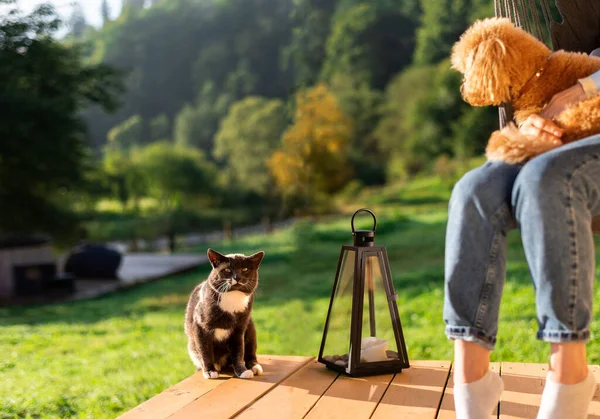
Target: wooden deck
299, 387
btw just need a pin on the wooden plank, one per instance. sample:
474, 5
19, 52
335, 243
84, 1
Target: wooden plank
171, 400
293, 386
349, 397
295, 396
523, 387
447, 406
234, 395
415, 392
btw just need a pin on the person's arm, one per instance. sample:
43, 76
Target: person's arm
586, 88
591, 84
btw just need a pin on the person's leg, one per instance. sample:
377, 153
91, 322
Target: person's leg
478, 220
471, 361
554, 198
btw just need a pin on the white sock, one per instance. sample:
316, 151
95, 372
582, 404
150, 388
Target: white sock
478, 399
567, 400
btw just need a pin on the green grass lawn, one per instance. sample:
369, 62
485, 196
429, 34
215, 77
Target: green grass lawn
101, 357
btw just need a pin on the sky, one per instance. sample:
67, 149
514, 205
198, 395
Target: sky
64, 7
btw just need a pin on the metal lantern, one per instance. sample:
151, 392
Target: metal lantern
363, 334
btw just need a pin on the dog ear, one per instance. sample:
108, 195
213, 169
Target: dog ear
458, 56
488, 73
496, 58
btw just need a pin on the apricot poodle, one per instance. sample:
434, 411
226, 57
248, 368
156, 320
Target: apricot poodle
503, 63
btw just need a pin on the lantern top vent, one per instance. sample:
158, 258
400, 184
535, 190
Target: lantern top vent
364, 238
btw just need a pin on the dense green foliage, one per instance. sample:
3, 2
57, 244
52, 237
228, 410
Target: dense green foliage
101, 357
219, 80
248, 136
200, 74
43, 156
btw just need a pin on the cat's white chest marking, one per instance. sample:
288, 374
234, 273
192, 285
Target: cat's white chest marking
221, 334
234, 301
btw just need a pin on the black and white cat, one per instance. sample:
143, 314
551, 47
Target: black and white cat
218, 320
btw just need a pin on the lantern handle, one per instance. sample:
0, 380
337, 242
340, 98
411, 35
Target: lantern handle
364, 210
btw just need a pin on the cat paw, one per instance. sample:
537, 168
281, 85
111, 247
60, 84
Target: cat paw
247, 374
257, 369
210, 374
218, 367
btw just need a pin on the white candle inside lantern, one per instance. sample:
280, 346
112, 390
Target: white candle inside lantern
373, 349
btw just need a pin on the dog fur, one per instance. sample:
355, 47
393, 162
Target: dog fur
501, 63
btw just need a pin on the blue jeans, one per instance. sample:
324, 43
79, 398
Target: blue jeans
552, 200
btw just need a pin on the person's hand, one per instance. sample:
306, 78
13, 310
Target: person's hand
542, 128
563, 99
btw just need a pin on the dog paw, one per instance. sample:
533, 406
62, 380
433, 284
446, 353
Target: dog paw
246, 374
257, 369
210, 374
510, 146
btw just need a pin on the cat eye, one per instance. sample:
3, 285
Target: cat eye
245, 270
227, 270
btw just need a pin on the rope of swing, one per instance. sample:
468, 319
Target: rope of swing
525, 14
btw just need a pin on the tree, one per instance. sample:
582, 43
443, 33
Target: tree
77, 22
196, 125
407, 7
442, 23
134, 5
45, 87
159, 128
185, 129
105, 12
424, 117
370, 43
247, 138
125, 180
174, 175
311, 27
402, 96
235, 46
312, 162
127, 134
361, 104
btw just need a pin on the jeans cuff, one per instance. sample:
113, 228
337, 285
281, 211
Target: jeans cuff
561, 336
471, 334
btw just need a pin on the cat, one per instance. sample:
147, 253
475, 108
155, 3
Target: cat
218, 320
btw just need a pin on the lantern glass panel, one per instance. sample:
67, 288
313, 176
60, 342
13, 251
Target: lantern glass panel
337, 339
378, 343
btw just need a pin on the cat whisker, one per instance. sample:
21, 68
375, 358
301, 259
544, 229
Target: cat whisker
222, 288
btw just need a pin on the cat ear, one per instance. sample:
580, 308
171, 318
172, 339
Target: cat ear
256, 258
216, 258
